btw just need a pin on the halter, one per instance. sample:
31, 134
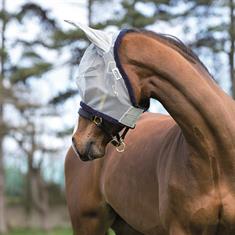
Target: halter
117, 140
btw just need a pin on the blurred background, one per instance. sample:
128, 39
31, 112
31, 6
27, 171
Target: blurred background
39, 99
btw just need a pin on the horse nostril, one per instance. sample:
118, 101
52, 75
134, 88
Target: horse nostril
90, 143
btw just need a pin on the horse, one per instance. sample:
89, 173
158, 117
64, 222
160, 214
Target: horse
176, 176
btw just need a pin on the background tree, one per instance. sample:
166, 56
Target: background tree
16, 91
31, 143
3, 227
211, 25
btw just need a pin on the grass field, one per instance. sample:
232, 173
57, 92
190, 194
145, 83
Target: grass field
58, 231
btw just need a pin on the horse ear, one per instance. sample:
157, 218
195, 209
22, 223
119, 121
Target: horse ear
100, 38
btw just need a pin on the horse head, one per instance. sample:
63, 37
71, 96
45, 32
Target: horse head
111, 102
90, 139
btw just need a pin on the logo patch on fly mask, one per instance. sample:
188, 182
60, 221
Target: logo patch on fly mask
116, 73
112, 68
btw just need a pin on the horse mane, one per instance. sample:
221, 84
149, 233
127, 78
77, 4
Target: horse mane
187, 52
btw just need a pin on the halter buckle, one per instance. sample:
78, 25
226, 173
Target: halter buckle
119, 144
121, 147
97, 120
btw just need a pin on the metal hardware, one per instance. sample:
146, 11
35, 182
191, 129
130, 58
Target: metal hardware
97, 120
119, 144
121, 147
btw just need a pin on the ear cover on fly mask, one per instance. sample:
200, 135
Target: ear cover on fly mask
100, 38
101, 85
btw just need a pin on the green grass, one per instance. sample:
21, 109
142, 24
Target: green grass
58, 231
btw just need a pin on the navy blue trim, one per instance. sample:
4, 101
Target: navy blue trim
99, 114
118, 63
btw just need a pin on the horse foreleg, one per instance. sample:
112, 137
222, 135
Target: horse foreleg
90, 226
89, 213
120, 227
91, 222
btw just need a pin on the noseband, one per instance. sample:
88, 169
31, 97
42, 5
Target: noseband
117, 140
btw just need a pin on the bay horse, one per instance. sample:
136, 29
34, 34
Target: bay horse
176, 176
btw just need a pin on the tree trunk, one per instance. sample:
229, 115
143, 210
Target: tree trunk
44, 202
37, 194
232, 46
40, 197
28, 202
30, 175
3, 227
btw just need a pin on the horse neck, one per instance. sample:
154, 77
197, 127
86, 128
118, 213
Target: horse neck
201, 109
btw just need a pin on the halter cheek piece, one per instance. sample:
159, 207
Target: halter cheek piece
117, 140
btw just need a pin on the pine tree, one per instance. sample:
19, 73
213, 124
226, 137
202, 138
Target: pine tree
15, 88
30, 109
3, 225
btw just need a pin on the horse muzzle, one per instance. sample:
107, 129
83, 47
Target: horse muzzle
89, 152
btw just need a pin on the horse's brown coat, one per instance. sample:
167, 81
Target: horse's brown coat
176, 176
153, 181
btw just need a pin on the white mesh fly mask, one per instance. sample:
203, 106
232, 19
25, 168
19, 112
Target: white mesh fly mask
103, 85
